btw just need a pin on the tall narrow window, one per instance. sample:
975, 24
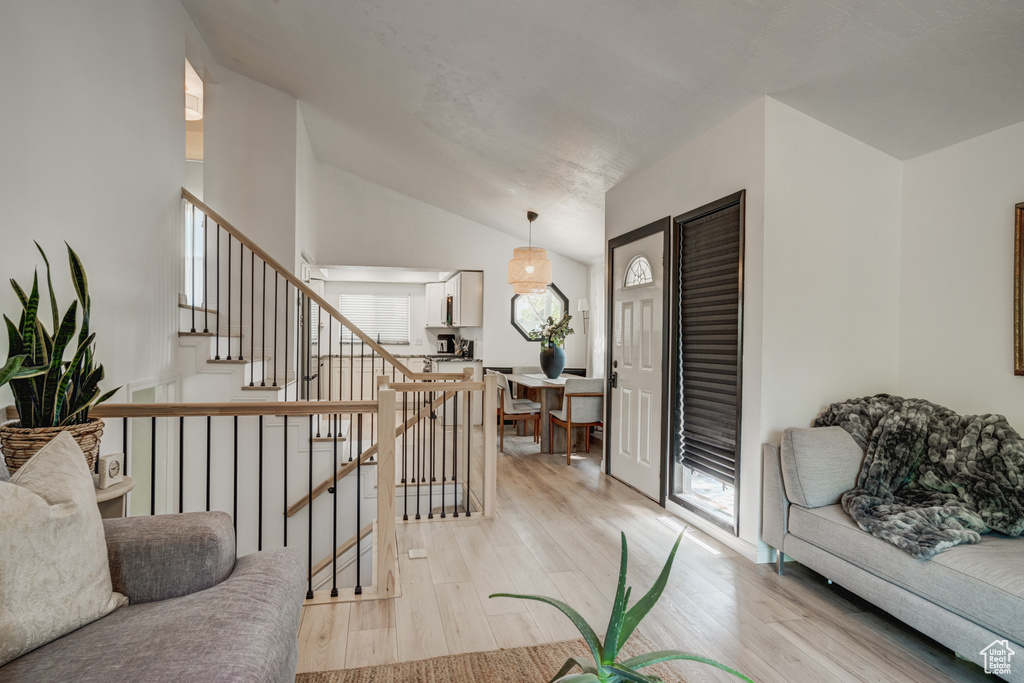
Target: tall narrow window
384, 319
709, 344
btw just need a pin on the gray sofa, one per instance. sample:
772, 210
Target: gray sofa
966, 597
196, 613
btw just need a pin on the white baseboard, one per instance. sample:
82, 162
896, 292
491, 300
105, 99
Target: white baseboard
754, 553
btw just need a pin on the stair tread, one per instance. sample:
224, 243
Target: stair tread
234, 361
208, 334
280, 385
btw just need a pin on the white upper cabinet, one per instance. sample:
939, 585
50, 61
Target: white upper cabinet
466, 290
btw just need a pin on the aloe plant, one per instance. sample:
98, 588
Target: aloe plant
623, 622
50, 391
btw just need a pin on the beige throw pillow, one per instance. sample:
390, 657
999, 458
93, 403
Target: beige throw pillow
54, 572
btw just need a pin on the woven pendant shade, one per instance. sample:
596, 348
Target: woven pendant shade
529, 271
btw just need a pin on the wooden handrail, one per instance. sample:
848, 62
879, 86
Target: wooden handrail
309, 293
369, 452
289, 408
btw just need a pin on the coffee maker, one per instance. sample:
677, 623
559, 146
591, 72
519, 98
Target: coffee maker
446, 343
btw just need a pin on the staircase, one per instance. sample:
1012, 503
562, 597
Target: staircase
305, 441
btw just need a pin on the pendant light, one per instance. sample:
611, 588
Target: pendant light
529, 271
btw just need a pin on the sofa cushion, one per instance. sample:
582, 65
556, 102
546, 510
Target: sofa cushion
244, 629
54, 574
982, 582
819, 465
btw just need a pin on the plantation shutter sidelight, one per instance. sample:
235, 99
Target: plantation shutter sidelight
710, 319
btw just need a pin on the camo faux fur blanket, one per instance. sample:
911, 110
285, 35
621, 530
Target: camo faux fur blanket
931, 478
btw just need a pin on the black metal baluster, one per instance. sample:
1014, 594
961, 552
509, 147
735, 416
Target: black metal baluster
405, 455
285, 334
263, 329
181, 463
241, 299
330, 373
234, 480
152, 467
300, 310
444, 447
216, 352
334, 514
359, 505
277, 276
192, 260
418, 451
209, 425
455, 456
285, 477
124, 444
433, 433
252, 317
206, 273
229, 297
259, 508
469, 445
309, 525
351, 386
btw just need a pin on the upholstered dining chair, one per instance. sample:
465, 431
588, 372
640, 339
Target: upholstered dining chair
582, 406
510, 408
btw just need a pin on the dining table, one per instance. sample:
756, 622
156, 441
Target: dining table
550, 398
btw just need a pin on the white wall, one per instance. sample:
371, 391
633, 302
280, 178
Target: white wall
831, 270
956, 297
93, 139
362, 223
726, 159
305, 192
249, 137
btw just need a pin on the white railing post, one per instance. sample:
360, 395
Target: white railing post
490, 410
386, 561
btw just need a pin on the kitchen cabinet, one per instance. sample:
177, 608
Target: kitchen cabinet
435, 302
466, 289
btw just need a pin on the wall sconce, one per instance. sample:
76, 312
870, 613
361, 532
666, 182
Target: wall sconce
584, 308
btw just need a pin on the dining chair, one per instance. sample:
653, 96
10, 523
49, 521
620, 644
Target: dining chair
524, 392
510, 408
582, 406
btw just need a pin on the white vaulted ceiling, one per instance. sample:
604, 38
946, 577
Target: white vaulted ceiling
487, 108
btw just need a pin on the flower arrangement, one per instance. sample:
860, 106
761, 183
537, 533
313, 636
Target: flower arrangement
553, 332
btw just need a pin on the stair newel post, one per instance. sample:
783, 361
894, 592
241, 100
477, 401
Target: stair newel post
490, 407
387, 546
229, 297
206, 273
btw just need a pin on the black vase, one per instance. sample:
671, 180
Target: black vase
552, 361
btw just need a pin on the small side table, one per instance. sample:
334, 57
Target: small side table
111, 500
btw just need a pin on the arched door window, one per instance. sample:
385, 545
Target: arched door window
638, 272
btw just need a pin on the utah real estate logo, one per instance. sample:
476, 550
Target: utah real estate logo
997, 657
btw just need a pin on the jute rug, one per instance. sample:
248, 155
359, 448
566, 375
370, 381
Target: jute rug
534, 664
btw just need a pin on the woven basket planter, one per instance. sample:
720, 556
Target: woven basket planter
19, 444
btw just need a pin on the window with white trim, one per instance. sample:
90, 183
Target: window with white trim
638, 272
384, 319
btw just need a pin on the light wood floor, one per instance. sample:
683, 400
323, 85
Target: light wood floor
557, 534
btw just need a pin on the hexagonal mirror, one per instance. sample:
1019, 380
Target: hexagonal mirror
530, 311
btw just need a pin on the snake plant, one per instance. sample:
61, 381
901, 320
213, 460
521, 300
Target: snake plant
624, 620
50, 391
